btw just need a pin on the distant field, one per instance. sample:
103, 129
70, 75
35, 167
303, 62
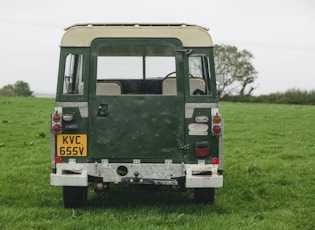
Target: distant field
269, 178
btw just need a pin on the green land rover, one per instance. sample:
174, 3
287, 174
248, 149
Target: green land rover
136, 104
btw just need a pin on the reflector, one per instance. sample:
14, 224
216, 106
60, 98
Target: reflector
58, 160
215, 161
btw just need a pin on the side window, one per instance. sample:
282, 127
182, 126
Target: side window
73, 79
199, 75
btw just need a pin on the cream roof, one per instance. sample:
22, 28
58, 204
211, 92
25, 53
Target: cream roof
82, 35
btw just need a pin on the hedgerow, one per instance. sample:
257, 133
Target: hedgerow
291, 96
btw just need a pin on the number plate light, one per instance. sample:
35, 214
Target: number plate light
202, 119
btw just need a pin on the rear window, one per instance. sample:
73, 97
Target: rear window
128, 70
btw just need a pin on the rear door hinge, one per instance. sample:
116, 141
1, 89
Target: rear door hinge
184, 148
185, 51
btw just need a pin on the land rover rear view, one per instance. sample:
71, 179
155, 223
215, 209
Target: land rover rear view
136, 104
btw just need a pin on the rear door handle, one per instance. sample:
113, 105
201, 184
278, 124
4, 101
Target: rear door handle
102, 110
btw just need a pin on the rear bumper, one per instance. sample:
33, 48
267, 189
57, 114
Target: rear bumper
196, 175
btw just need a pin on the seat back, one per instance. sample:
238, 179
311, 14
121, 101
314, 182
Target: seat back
104, 88
108, 88
169, 85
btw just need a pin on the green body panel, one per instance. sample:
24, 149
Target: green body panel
191, 140
150, 128
82, 122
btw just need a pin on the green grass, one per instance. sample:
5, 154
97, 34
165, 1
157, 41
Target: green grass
269, 177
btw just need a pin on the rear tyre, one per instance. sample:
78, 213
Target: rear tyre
204, 195
74, 197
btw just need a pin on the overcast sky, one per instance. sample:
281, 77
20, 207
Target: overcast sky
279, 33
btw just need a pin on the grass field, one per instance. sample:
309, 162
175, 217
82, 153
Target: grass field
269, 177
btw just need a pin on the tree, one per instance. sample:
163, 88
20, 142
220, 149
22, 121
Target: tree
19, 89
22, 89
7, 90
240, 74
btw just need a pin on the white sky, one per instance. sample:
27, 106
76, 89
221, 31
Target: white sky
279, 33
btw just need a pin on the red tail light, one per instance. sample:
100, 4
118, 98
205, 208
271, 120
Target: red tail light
56, 128
216, 129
